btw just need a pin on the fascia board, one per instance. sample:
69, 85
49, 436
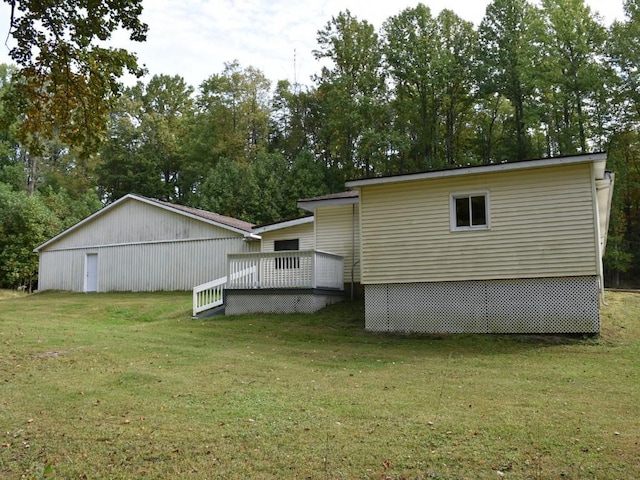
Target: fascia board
479, 170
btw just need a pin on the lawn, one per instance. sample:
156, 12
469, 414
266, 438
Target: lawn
128, 386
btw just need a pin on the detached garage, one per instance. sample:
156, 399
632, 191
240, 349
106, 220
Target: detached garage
141, 244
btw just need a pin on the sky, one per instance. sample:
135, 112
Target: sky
194, 38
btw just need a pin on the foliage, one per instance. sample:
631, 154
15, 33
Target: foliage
263, 191
573, 45
431, 63
508, 59
233, 114
25, 222
145, 152
623, 250
66, 76
352, 93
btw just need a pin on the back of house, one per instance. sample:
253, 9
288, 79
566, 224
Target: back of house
506, 248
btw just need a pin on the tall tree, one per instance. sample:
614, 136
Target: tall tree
456, 63
410, 46
233, 114
508, 57
431, 64
624, 52
575, 77
149, 135
351, 93
289, 120
167, 109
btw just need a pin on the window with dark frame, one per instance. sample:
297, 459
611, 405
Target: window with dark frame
287, 245
469, 211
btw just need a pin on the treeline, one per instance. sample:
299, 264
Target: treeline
423, 92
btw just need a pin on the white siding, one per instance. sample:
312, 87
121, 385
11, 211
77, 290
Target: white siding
134, 221
177, 265
338, 231
541, 226
302, 232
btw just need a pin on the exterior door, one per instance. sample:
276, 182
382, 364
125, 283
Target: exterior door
91, 273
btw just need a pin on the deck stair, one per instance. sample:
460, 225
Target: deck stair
208, 298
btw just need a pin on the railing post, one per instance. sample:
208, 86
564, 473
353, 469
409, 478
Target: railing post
195, 302
314, 256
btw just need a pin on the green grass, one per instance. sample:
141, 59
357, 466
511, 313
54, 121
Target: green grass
5, 294
128, 386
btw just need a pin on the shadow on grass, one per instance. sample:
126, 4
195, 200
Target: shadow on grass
342, 326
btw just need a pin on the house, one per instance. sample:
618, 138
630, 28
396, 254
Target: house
304, 264
140, 244
505, 248
284, 277
337, 230
296, 234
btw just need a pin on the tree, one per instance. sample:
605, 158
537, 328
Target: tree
624, 53
167, 108
232, 115
622, 255
122, 168
508, 62
25, 222
67, 77
149, 134
492, 114
351, 96
289, 131
456, 63
431, 64
574, 76
410, 44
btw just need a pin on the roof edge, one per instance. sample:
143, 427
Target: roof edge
285, 224
169, 207
140, 198
83, 221
311, 205
480, 169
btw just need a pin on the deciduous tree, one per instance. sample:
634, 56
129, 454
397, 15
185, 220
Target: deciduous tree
67, 73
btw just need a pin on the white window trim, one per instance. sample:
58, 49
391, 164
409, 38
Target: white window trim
452, 210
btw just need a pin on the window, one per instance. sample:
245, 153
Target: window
470, 211
287, 245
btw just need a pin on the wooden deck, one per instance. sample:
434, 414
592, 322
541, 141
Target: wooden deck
304, 270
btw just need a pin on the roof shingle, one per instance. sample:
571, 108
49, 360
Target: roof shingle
215, 217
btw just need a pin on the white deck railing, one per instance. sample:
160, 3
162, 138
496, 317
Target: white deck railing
211, 294
289, 269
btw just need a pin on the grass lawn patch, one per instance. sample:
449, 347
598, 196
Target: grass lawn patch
125, 385
6, 294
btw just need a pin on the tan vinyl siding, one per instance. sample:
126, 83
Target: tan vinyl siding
135, 221
541, 226
177, 265
334, 227
302, 232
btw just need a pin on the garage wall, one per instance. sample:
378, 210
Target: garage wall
145, 266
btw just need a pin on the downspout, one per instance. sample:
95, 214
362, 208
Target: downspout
353, 246
596, 227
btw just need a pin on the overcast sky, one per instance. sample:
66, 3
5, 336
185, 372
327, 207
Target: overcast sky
194, 38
